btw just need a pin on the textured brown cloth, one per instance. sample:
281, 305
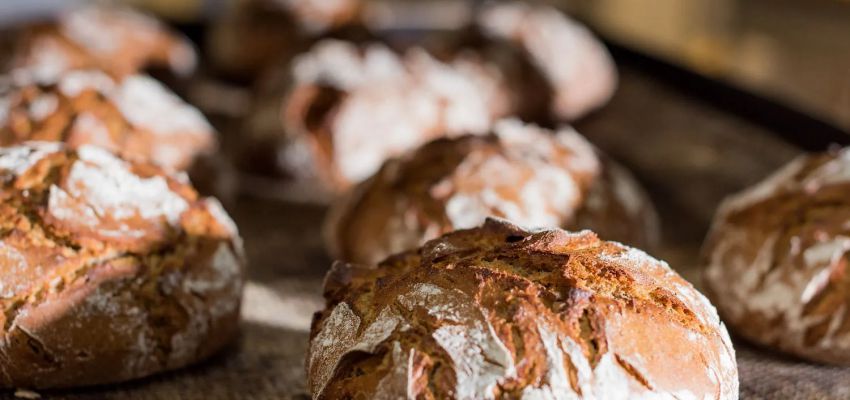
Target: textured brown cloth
687, 154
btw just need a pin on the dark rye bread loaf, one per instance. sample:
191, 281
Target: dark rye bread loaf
109, 271
116, 40
501, 312
526, 174
135, 116
777, 257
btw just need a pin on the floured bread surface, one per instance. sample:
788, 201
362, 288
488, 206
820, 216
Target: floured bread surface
523, 173
499, 312
110, 270
576, 64
136, 117
776, 258
351, 107
113, 39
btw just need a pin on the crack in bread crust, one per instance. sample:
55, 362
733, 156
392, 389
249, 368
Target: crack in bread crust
501, 312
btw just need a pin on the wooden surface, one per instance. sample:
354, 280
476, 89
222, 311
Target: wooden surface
687, 154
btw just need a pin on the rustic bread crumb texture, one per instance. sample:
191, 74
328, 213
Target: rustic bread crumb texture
501, 312
110, 270
777, 256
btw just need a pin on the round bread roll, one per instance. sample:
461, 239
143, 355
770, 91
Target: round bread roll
500, 312
257, 34
529, 175
350, 107
577, 66
777, 256
113, 39
110, 270
136, 117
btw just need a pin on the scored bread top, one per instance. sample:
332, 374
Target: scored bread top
775, 256
136, 117
502, 312
75, 225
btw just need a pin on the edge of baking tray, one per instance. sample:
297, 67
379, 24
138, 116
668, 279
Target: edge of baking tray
792, 125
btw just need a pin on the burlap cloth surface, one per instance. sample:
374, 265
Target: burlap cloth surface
687, 154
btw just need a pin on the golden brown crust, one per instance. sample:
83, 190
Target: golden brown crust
110, 271
135, 116
776, 257
116, 40
501, 312
529, 175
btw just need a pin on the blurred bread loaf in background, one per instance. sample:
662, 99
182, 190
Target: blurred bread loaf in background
328, 119
523, 173
776, 259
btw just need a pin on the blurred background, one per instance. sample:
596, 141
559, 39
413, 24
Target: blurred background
793, 52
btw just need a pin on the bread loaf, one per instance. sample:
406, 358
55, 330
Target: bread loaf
109, 38
350, 107
110, 270
529, 175
776, 259
500, 312
135, 116
576, 65
346, 108
255, 35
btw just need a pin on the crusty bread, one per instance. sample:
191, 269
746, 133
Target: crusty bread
110, 270
501, 312
256, 35
529, 175
346, 108
116, 40
136, 116
577, 66
349, 107
777, 256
